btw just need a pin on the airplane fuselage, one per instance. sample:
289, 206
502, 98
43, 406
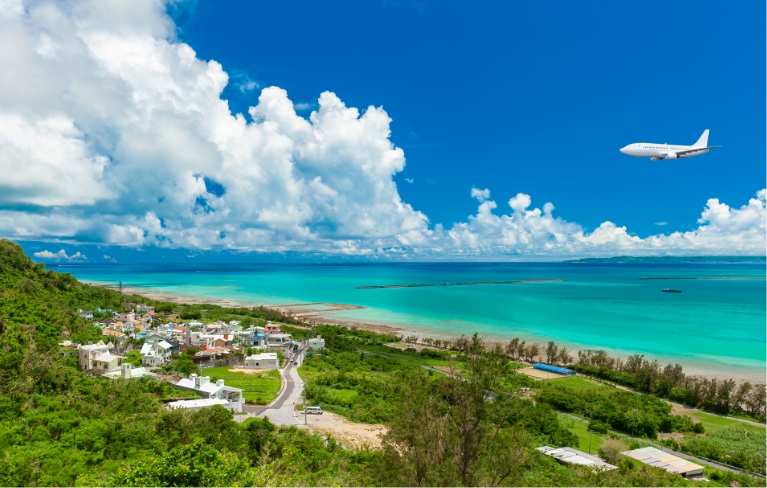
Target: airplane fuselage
656, 152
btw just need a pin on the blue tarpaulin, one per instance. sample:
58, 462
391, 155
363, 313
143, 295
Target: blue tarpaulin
553, 369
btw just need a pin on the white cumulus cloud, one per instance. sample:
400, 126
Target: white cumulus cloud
60, 255
113, 131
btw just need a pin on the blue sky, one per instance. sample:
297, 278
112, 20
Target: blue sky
533, 97
380, 130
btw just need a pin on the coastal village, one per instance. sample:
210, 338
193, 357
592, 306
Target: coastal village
157, 337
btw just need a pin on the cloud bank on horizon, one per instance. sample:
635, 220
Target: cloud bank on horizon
112, 131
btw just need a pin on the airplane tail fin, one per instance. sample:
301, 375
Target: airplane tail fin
703, 141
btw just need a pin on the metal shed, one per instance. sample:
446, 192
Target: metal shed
664, 460
553, 369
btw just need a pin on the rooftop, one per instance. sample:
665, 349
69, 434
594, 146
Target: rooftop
107, 357
264, 355
203, 402
573, 456
664, 460
98, 345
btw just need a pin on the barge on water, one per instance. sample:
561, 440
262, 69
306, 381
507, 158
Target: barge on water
669, 290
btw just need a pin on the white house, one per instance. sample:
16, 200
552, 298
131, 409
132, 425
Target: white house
266, 360
201, 384
144, 308
192, 338
316, 343
86, 314
125, 317
279, 341
107, 362
155, 353
87, 353
127, 372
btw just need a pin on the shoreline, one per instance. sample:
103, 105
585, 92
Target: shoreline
304, 311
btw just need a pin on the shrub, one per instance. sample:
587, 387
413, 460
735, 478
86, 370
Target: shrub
598, 426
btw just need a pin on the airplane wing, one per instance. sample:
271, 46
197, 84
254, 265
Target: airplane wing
681, 153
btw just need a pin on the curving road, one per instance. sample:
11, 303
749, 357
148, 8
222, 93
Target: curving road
280, 411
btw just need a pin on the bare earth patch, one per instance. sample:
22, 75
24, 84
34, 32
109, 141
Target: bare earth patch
540, 375
672, 435
679, 410
259, 372
350, 434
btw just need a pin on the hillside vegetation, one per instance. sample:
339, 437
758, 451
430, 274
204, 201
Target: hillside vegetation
59, 427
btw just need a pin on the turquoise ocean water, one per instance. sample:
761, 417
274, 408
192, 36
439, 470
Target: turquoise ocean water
713, 326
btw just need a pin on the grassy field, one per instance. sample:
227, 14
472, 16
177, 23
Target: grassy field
579, 383
581, 430
712, 423
260, 387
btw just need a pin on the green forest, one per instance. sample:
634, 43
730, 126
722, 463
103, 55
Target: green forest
59, 427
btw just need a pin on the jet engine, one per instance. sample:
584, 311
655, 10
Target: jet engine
670, 155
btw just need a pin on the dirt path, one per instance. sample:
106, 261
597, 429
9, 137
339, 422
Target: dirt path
350, 434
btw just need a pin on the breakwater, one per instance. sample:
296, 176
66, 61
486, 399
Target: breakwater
462, 283
372, 287
506, 282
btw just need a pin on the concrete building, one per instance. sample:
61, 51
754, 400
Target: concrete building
127, 372
125, 317
86, 314
196, 404
155, 354
87, 353
266, 360
192, 338
664, 460
315, 343
271, 328
216, 391
279, 341
106, 363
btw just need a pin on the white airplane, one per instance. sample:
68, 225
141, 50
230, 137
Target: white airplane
656, 152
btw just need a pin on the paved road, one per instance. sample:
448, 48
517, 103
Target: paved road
280, 411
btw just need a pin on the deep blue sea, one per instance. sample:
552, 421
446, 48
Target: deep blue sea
713, 326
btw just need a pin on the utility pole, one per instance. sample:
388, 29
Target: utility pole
305, 422
121, 291
661, 440
590, 432
634, 425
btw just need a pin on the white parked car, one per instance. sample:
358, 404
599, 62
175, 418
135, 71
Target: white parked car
314, 410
